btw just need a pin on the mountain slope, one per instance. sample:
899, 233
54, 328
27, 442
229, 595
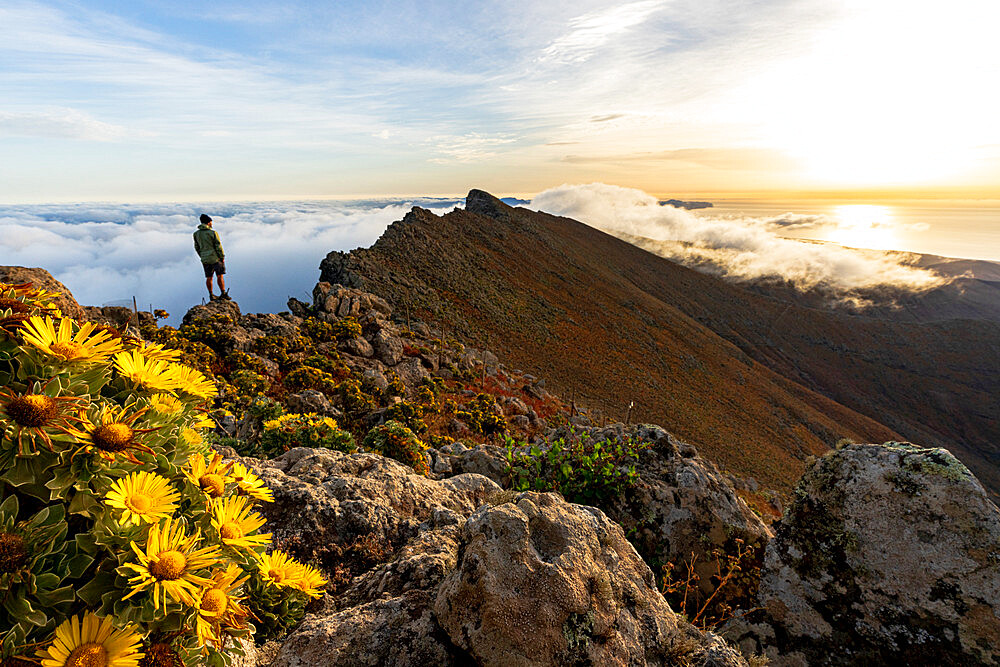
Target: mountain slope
600, 319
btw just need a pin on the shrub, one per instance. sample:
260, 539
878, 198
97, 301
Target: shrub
264, 408
356, 403
346, 328
248, 383
480, 416
318, 330
309, 430
307, 377
114, 513
214, 331
583, 470
407, 414
396, 386
395, 441
734, 584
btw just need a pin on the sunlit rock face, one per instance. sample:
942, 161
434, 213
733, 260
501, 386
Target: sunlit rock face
890, 554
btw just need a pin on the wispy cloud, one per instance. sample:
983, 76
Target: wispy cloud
467, 148
62, 124
589, 32
740, 248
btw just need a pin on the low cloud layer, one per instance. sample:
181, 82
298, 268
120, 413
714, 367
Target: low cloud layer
742, 248
106, 254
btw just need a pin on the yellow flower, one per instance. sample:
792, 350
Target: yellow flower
210, 477
192, 382
250, 483
281, 569
92, 642
158, 351
168, 564
218, 607
204, 421
309, 580
235, 521
165, 404
88, 345
112, 433
191, 436
152, 375
37, 416
143, 497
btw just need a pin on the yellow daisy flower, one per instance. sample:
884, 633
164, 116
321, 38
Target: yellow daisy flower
219, 607
191, 436
158, 351
210, 477
280, 569
143, 497
88, 345
92, 642
112, 433
204, 421
235, 521
165, 404
152, 375
250, 483
35, 416
169, 563
192, 382
309, 580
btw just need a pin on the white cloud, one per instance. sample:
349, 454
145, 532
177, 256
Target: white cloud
110, 253
590, 31
62, 124
739, 248
467, 148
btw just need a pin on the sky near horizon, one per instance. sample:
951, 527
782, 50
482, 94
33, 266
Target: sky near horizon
186, 101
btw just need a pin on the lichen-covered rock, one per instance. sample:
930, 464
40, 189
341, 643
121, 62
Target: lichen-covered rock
388, 348
310, 400
543, 582
347, 302
42, 278
889, 554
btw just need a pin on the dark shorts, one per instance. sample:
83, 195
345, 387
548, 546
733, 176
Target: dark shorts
218, 268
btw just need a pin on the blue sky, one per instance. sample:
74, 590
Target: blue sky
182, 101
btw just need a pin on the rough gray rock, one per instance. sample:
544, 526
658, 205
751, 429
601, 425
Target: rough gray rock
347, 301
388, 348
486, 460
357, 346
889, 554
311, 400
402, 607
544, 582
42, 278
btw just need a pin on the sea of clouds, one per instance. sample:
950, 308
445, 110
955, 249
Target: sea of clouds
108, 253
736, 247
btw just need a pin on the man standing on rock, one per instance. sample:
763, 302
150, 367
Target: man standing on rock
209, 249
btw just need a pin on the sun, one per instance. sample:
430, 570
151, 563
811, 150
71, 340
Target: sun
863, 226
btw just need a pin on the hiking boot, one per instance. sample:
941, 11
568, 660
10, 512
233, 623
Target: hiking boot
212, 297
225, 296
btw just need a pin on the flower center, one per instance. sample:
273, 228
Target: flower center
160, 655
139, 503
277, 575
90, 654
212, 484
112, 437
69, 350
32, 410
231, 531
214, 600
14, 305
170, 565
13, 553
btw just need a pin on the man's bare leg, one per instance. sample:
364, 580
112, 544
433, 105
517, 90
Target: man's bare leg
208, 284
222, 283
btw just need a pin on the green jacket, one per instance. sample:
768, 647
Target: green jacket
207, 245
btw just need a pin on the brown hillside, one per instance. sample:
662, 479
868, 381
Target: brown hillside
600, 318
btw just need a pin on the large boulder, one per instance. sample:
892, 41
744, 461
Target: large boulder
889, 554
15, 275
543, 582
340, 301
402, 556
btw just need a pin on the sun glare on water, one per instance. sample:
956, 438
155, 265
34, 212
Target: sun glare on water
864, 226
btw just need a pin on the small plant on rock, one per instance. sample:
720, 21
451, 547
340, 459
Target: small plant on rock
309, 430
395, 441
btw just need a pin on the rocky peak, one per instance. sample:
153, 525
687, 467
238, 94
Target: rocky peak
483, 203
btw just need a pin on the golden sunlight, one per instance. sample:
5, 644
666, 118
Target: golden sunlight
863, 226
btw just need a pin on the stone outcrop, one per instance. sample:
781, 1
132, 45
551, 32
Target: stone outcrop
544, 582
889, 554
43, 279
552, 582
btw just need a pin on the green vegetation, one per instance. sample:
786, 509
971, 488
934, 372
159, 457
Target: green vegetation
296, 430
395, 441
583, 470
